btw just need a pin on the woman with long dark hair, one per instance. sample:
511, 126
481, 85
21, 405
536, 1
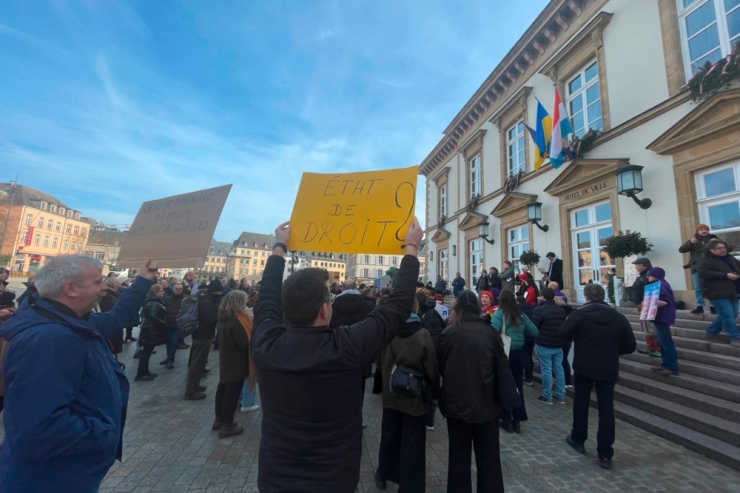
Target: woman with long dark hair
528, 288
509, 317
468, 355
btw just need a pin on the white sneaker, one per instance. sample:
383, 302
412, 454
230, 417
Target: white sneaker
250, 409
430, 428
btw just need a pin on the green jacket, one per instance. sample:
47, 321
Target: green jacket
516, 332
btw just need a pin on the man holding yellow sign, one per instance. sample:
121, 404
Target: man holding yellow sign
366, 212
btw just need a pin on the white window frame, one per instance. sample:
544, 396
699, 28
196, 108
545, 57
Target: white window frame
517, 142
444, 264
37, 240
704, 202
581, 93
380, 260
66, 244
723, 32
443, 200
41, 222
25, 237
380, 273
29, 219
474, 175
520, 243
366, 273
475, 247
55, 243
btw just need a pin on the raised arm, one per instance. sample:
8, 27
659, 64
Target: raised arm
270, 303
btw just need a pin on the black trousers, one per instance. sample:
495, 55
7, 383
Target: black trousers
146, 353
605, 398
227, 399
515, 365
198, 359
402, 456
566, 365
484, 437
527, 362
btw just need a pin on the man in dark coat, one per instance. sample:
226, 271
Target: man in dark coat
494, 281
601, 334
173, 302
719, 278
310, 374
441, 286
555, 270
458, 284
548, 317
202, 337
695, 247
482, 282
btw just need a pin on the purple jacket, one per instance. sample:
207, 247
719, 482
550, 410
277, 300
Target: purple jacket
666, 314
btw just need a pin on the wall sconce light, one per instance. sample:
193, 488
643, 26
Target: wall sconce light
431, 255
629, 183
483, 232
534, 215
454, 250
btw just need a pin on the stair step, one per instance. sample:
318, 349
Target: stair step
698, 345
711, 425
701, 443
692, 368
680, 314
684, 324
722, 390
686, 332
698, 356
686, 397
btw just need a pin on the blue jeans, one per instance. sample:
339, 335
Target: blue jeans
697, 290
551, 359
667, 348
727, 312
247, 396
173, 340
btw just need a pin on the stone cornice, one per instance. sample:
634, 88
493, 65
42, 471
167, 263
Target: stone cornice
544, 36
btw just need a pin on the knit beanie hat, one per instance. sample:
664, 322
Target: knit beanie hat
704, 226
487, 293
215, 287
523, 276
467, 298
657, 273
496, 292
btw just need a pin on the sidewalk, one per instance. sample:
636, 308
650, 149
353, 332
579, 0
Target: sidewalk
169, 446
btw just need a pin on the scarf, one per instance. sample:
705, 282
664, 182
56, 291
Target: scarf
245, 319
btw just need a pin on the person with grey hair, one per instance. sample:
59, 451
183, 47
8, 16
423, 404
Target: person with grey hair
65, 397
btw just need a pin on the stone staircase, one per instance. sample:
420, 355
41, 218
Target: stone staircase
700, 408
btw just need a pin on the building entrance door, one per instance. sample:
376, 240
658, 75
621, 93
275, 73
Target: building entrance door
591, 227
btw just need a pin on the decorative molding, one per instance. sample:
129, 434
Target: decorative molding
474, 141
582, 171
516, 103
471, 220
714, 118
512, 202
441, 235
441, 176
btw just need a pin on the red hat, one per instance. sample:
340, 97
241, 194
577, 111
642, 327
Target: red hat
439, 297
487, 293
523, 276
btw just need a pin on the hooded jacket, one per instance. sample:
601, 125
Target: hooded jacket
601, 334
434, 324
508, 279
349, 308
696, 250
65, 398
412, 347
548, 317
467, 363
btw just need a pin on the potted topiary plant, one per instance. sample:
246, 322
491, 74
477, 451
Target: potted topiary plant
625, 244
530, 258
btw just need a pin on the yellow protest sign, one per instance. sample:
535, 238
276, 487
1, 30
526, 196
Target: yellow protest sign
365, 212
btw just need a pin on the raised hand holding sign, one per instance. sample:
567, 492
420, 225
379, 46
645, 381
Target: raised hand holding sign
366, 212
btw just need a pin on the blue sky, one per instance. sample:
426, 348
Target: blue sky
106, 104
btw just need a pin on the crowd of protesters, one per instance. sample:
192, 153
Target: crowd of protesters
311, 346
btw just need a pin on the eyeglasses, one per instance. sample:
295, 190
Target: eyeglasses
332, 297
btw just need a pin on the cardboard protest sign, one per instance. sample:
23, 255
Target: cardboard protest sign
174, 231
366, 212
650, 301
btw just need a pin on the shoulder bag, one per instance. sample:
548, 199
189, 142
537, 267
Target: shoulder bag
506, 340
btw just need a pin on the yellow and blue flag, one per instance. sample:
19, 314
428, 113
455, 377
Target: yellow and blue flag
541, 137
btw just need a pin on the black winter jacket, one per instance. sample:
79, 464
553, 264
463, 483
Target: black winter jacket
311, 386
153, 325
109, 299
482, 283
601, 334
494, 282
172, 303
467, 363
548, 317
350, 308
207, 317
432, 321
696, 250
638, 287
713, 277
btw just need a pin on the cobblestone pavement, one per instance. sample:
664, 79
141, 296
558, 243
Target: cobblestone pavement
168, 446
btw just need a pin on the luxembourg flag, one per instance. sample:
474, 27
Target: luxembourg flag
561, 128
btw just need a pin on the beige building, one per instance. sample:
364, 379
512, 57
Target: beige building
621, 67
366, 268
105, 245
248, 255
36, 226
216, 261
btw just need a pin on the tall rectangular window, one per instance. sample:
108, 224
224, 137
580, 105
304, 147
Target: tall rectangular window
476, 259
517, 243
49, 224
474, 176
66, 245
46, 240
515, 149
366, 273
367, 259
718, 197
444, 265
29, 218
709, 30
69, 229
37, 240
380, 260
25, 237
41, 222
55, 243
59, 226
380, 272
77, 230
584, 100
443, 200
